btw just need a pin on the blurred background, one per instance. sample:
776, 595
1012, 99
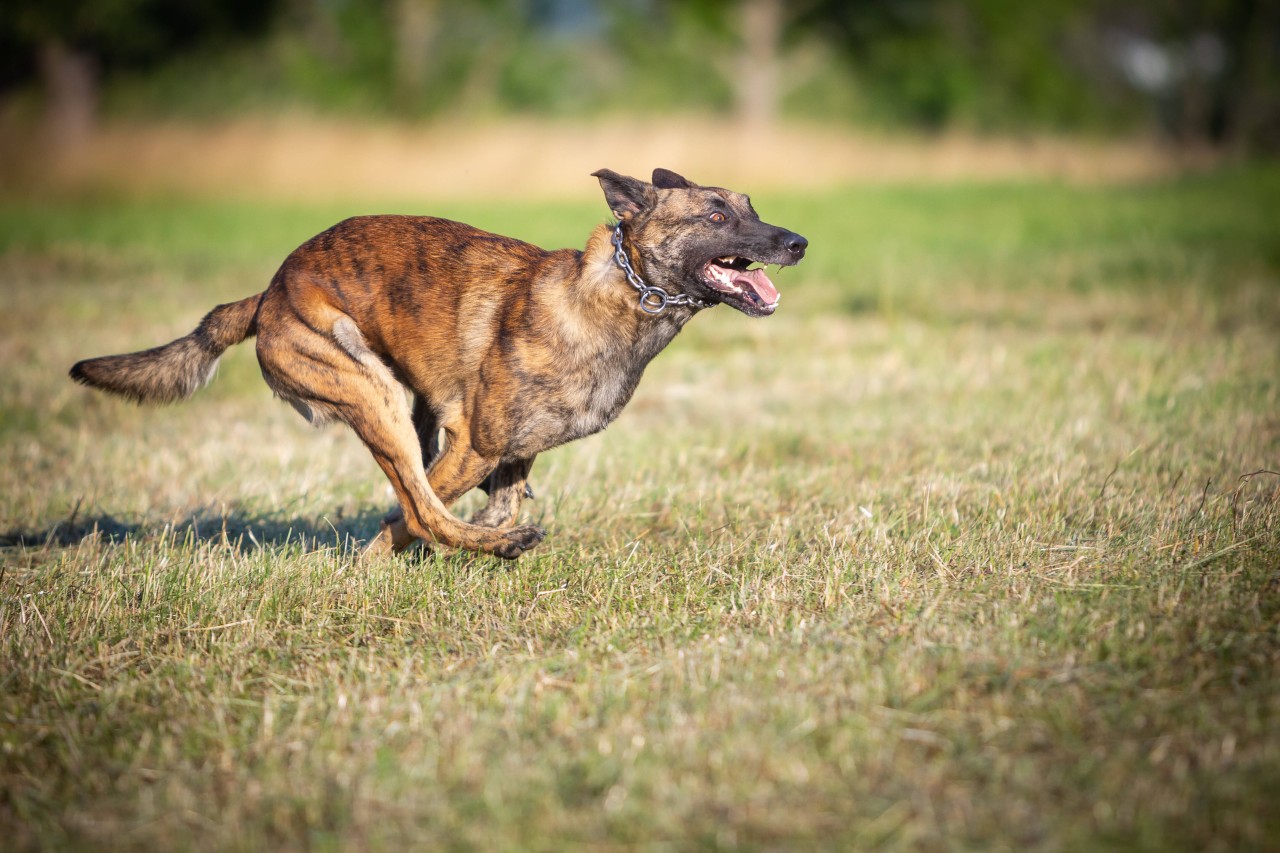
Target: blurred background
972, 545
421, 97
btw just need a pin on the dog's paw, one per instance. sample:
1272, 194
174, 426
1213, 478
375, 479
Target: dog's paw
518, 541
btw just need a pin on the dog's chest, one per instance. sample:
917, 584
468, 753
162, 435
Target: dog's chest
579, 403
583, 395
602, 399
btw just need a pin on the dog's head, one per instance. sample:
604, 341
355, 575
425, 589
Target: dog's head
705, 242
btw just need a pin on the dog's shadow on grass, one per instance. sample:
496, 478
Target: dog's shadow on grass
241, 529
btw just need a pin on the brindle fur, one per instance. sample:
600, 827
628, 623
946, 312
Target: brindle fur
509, 349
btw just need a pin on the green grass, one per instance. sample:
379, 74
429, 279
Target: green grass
963, 548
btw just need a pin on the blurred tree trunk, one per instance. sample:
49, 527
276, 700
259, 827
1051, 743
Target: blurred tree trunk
1256, 119
416, 23
70, 81
756, 69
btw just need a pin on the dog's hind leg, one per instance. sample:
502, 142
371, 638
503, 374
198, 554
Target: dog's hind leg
393, 537
339, 376
457, 470
425, 512
507, 486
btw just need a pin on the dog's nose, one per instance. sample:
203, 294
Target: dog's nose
796, 244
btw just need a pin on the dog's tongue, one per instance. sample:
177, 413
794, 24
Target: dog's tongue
759, 282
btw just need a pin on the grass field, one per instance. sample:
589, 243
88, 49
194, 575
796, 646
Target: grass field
976, 544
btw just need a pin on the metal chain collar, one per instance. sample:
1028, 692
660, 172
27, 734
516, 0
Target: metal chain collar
652, 299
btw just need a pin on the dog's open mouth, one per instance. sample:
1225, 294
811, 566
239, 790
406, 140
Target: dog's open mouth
749, 287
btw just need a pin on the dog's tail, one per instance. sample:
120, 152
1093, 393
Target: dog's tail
175, 371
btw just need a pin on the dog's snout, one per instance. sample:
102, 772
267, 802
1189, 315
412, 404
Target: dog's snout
796, 244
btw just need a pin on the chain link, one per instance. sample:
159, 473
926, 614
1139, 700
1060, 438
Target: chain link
652, 299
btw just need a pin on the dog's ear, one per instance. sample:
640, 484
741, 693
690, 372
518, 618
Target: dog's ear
665, 179
626, 196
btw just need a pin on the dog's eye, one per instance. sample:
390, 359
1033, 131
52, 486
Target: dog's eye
717, 217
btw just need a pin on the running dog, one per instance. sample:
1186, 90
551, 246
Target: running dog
508, 348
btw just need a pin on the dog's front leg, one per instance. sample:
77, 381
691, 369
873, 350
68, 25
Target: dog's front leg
508, 486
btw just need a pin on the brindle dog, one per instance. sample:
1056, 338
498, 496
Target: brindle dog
510, 349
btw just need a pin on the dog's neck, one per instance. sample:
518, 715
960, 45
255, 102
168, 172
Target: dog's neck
652, 299
596, 313
602, 339
607, 286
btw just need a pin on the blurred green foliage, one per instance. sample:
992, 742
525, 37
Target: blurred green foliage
120, 35
1200, 69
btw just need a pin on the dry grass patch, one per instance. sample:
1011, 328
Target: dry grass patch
293, 157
